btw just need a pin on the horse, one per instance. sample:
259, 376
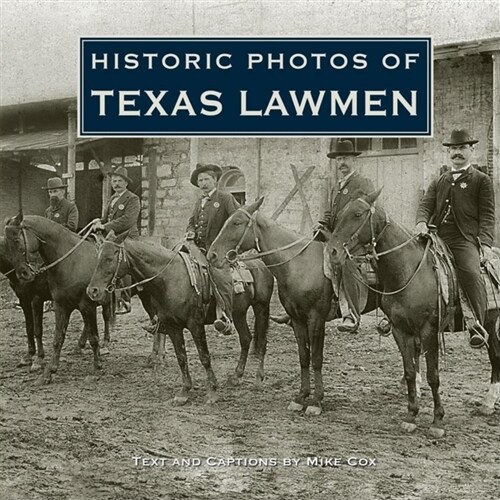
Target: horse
31, 297
409, 299
304, 291
164, 274
69, 263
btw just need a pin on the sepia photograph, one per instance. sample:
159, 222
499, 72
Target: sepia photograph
275, 279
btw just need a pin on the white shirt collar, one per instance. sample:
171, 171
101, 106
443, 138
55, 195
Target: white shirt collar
346, 178
464, 168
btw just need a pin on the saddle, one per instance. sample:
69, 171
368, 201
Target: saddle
197, 268
453, 306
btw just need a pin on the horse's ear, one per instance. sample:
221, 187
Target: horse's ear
16, 221
111, 236
370, 198
121, 237
255, 205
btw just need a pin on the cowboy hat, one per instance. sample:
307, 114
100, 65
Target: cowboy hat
343, 148
459, 137
55, 183
122, 172
205, 168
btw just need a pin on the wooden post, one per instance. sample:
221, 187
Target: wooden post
152, 182
106, 168
70, 175
496, 135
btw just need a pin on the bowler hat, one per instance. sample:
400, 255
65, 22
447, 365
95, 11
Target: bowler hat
343, 148
55, 183
122, 172
205, 168
459, 137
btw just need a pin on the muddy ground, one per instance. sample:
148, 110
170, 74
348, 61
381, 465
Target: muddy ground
119, 436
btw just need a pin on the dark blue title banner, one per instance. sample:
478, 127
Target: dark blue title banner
255, 86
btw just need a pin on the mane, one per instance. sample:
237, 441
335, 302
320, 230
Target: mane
36, 222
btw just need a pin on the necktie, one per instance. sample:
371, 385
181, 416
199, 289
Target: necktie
204, 200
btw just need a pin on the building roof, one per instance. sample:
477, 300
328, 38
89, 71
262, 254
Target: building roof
38, 141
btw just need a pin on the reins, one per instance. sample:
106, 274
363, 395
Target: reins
122, 257
233, 255
374, 240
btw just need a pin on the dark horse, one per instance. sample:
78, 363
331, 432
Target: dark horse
304, 291
178, 304
413, 310
67, 280
31, 297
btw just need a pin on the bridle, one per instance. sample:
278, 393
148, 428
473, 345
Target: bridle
370, 211
233, 255
42, 269
122, 257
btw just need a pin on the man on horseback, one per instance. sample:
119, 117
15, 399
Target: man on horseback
120, 215
61, 210
351, 185
461, 204
209, 215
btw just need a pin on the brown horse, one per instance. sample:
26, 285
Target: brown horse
410, 299
31, 297
67, 280
304, 291
178, 304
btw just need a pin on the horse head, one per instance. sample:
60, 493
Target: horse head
237, 234
358, 223
22, 246
111, 266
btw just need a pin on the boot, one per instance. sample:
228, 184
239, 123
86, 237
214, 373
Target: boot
224, 326
478, 336
349, 324
284, 319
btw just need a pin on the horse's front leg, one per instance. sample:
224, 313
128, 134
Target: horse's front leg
27, 359
197, 330
108, 317
37, 308
316, 330
261, 312
240, 323
177, 337
300, 330
431, 349
89, 314
62, 315
488, 406
406, 345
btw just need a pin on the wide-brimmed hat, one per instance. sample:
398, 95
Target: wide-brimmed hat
55, 183
343, 148
122, 172
205, 168
459, 137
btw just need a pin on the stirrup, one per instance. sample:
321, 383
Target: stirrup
224, 327
478, 336
350, 328
384, 327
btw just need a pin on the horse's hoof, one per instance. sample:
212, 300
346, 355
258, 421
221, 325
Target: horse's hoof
24, 361
436, 432
313, 411
180, 400
486, 410
233, 380
259, 381
211, 398
104, 351
77, 351
36, 366
43, 380
293, 406
408, 427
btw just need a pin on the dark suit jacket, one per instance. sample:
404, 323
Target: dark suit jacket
65, 213
123, 216
356, 186
472, 201
218, 209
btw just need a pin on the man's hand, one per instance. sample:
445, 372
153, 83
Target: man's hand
319, 226
487, 254
189, 235
421, 229
97, 225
